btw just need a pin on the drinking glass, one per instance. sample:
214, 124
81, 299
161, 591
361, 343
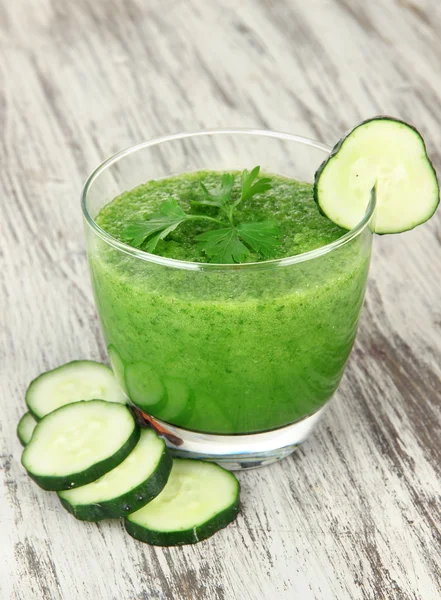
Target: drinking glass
231, 363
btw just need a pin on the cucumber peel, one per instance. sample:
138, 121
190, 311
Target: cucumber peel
386, 153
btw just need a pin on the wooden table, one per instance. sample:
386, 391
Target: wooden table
356, 513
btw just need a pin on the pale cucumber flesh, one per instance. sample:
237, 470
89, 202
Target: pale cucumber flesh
77, 436
135, 469
195, 493
75, 381
390, 155
26, 428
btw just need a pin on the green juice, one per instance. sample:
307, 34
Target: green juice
229, 350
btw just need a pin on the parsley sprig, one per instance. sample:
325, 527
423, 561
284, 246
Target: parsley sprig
233, 242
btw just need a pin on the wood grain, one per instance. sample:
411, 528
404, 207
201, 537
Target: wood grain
356, 513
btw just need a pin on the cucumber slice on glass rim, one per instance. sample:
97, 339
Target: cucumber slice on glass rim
78, 443
199, 499
386, 153
72, 382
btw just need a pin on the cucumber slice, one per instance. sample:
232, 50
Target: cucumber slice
25, 428
144, 386
79, 443
117, 365
199, 499
178, 403
74, 381
128, 487
386, 152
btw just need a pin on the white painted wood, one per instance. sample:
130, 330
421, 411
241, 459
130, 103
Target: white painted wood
356, 513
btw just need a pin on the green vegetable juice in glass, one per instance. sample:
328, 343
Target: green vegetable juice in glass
228, 302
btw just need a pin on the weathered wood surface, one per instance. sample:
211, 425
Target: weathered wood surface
356, 513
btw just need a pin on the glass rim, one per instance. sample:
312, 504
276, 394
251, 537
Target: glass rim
198, 266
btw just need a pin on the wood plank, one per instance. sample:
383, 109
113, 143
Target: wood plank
356, 513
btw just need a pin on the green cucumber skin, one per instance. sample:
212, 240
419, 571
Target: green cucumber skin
126, 503
340, 143
69, 482
189, 536
31, 385
23, 442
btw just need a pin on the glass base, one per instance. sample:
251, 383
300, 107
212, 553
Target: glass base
236, 452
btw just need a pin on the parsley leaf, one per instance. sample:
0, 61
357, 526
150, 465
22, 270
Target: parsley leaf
261, 237
222, 197
249, 189
223, 246
162, 223
230, 244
